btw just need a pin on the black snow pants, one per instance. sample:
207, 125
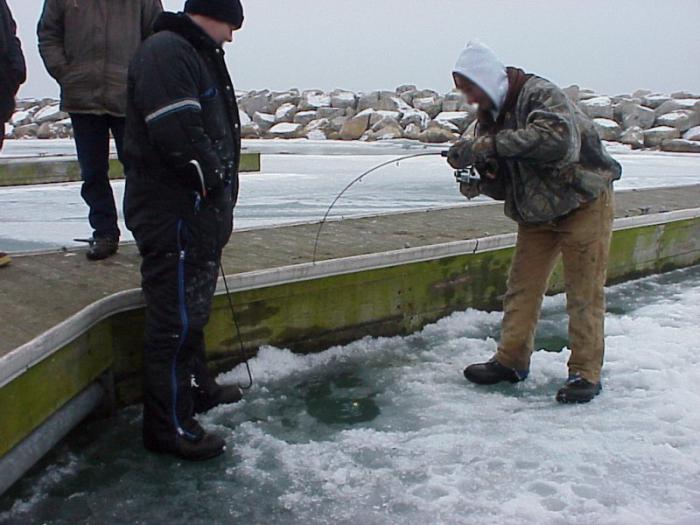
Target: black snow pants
180, 238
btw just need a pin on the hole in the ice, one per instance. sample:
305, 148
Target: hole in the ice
341, 399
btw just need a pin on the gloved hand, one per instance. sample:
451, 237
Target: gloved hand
459, 155
469, 189
485, 156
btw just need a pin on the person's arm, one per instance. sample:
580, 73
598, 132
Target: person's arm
166, 82
550, 135
151, 10
51, 38
14, 56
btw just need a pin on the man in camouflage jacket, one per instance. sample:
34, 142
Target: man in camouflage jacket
536, 151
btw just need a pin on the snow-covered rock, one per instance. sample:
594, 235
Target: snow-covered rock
285, 113
417, 117
460, 119
453, 101
251, 131
431, 105
330, 112
244, 118
257, 102
633, 137
654, 100
436, 134
636, 115
676, 104
412, 131
314, 99
572, 92
388, 132
49, 114
692, 134
681, 119
286, 130
655, 136
317, 129
264, 120
28, 130
9, 129
285, 97
304, 117
597, 107
607, 129
681, 146
343, 99
20, 118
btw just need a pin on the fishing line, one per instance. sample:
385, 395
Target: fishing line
356, 180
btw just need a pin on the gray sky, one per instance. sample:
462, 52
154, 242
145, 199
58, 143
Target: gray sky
612, 46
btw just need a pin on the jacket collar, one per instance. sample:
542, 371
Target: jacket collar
184, 26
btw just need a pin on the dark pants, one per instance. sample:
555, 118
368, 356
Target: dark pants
181, 248
92, 143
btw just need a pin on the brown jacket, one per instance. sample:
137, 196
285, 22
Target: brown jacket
86, 46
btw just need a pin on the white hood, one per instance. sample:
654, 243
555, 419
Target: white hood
481, 65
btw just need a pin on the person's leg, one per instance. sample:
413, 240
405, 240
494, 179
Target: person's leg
92, 144
585, 247
536, 253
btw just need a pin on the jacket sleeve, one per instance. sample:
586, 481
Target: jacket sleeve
166, 85
550, 134
51, 42
14, 58
151, 10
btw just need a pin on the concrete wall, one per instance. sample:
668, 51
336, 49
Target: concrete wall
308, 308
21, 172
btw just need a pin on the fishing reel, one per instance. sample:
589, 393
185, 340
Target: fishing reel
467, 175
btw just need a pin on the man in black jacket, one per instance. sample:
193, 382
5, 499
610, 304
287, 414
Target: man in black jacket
183, 149
13, 71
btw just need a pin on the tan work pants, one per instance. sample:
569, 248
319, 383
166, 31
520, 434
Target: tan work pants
582, 238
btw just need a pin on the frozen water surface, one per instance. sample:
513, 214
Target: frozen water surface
298, 181
387, 431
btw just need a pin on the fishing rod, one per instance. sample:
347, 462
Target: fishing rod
358, 179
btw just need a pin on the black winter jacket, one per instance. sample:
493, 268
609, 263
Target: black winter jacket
182, 117
13, 71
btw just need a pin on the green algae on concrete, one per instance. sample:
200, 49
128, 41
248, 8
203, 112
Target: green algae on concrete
46, 170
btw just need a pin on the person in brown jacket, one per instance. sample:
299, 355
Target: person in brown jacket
86, 46
537, 152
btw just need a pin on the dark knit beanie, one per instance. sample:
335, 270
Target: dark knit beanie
230, 11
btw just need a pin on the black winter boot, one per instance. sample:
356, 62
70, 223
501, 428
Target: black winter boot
578, 390
222, 395
493, 372
102, 248
197, 446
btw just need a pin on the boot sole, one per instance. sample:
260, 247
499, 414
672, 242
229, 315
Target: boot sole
173, 453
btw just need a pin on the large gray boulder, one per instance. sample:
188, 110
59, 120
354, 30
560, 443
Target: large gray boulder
337, 123
453, 101
641, 93
412, 131
257, 102
654, 100
692, 134
597, 107
684, 94
681, 146
21, 118
28, 130
607, 129
635, 115
331, 112
251, 131
633, 137
355, 127
431, 105
317, 129
285, 97
304, 117
390, 131
405, 88
285, 113
343, 99
436, 134
264, 120
45, 131
415, 116
460, 119
286, 130
387, 121
655, 136
681, 119
313, 100
51, 113
677, 104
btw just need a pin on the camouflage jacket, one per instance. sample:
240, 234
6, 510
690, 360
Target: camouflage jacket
550, 156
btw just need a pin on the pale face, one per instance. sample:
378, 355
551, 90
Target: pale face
474, 94
220, 32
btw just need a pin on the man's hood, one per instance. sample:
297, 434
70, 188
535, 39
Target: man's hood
480, 64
